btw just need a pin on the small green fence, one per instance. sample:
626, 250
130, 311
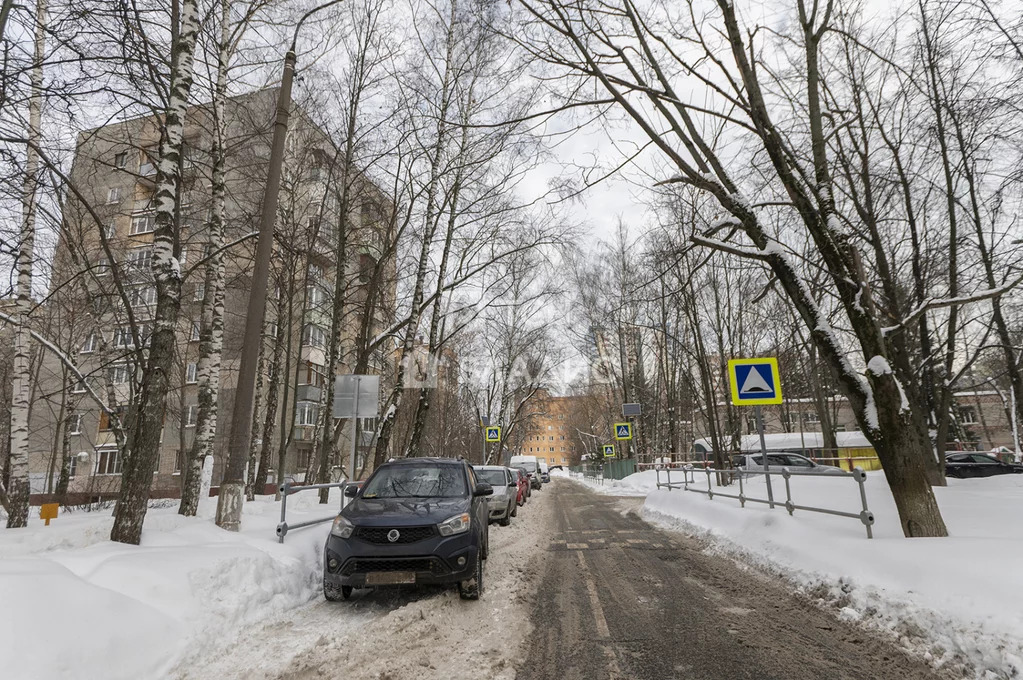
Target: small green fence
608, 469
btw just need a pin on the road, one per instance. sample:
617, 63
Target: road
620, 598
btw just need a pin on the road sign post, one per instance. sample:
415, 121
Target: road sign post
755, 382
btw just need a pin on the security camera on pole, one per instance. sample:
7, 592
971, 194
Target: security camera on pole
755, 382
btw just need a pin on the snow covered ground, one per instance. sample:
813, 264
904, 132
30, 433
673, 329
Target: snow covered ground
955, 600
194, 601
77, 605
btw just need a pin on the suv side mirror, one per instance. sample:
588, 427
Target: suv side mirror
483, 489
351, 490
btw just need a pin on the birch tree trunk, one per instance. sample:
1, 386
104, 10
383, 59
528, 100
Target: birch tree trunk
142, 458
211, 324
429, 229
270, 417
18, 486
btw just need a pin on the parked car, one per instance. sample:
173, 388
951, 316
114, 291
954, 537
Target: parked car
964, 465
780, 459
532, 468
414, 521
545, 473
523, 483
502, 503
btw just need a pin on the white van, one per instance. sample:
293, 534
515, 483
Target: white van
530, 465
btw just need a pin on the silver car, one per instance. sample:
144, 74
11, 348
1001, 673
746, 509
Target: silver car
502, 505
782, 459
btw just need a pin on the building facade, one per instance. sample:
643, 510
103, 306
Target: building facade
102, 294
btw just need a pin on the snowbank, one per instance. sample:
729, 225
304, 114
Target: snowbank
954, 599
77, 605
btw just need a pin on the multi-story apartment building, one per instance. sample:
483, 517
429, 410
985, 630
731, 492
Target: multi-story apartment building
102, 295
550, 433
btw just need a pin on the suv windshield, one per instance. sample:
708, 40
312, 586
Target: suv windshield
408, 481
492, 477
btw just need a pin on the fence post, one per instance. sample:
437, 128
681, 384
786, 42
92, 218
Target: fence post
742, 493
866, 516
710, 489
282, 528
788, 490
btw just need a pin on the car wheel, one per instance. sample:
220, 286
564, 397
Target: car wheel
471, 589
506, 521
334, 593
515, 510
485, 549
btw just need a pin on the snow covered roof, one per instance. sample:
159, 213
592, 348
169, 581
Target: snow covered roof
794, 441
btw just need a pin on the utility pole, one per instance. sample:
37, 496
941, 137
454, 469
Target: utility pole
232, 489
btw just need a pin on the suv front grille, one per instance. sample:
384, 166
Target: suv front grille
405, 534
361, 566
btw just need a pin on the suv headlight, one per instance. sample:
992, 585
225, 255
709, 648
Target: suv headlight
342, 527
458, 524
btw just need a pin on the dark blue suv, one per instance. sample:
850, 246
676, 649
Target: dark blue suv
414, 521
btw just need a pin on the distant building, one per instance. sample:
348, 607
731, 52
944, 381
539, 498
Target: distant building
550, 433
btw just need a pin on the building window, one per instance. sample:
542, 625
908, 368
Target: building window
110, 229
306, 413
968, 415
102, 267
141, 259
142, 296
191, 373
91, 343
314, 336
79, 388
200, 292
74, 423
119, 374
811, 417
312, 375
123, 337
142, 223
147, 166
72, 466
114, 195
303, 458
120, 160
179, 460
191, 415
108, 462
367, 264
315, 294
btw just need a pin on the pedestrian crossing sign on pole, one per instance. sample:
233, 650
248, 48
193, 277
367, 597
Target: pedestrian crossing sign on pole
755, 382
609, 450
623, 431
493, 434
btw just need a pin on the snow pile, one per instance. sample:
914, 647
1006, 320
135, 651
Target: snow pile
81, 606
638, 484
955, 600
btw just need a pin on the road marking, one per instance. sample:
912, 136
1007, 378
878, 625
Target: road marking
598, 617
577, 546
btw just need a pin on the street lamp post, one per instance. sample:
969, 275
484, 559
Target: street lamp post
232, 489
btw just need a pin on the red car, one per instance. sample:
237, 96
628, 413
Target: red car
523, 480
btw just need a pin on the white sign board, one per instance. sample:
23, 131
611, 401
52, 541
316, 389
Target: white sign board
357, 396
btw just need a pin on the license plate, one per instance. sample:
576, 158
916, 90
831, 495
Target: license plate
390, 578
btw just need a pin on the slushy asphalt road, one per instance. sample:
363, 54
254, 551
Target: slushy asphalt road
621, 599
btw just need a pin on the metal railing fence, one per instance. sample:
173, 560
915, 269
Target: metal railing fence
865, 516
287, 489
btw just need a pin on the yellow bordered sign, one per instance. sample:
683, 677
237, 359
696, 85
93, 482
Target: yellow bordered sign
755, 382
493, 434
623, 431
609, 450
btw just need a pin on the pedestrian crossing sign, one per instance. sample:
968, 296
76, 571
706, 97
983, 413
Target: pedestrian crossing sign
623, 431
755, 382
493, 434
609, 450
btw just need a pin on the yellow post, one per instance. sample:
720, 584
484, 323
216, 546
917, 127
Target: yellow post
48, 511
